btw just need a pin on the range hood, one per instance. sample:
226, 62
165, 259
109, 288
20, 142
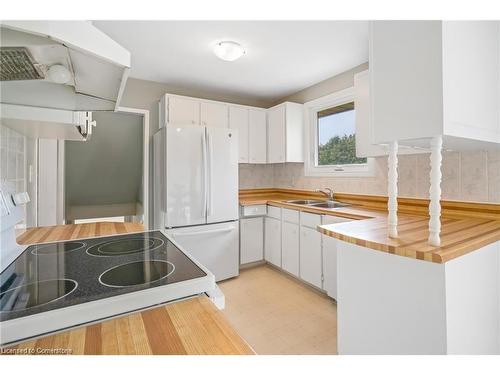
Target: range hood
65, 65
38, 122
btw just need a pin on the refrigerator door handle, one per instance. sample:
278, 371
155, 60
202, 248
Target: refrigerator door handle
209, 174
212, 231
204, 172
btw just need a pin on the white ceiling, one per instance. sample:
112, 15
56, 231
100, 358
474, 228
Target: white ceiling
282, 57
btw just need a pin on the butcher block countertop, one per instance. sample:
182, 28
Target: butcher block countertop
465, 227
190, 326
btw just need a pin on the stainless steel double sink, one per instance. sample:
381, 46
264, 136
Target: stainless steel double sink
319, 203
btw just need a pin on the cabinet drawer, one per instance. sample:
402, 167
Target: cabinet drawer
274, 212
254, 210
329, 219
291, 216
310, 220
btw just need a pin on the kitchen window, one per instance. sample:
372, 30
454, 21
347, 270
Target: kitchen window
331, 140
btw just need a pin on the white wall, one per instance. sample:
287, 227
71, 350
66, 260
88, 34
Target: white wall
472, 300
389, 304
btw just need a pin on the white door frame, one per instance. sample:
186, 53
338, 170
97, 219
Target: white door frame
145, 158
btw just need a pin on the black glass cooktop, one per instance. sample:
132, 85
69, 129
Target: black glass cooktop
51, 276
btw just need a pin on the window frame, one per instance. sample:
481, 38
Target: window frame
311, 110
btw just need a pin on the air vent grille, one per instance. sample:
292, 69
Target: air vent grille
16, 63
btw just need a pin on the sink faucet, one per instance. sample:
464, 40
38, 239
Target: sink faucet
326, 191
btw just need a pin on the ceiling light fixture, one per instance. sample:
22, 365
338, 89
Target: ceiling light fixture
229, 51
59, 74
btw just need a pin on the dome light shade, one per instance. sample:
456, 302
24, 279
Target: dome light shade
229, 51
59, 74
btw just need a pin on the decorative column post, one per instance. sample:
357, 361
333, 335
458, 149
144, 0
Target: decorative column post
392, 189
435, 191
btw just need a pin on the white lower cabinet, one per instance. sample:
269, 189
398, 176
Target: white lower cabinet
330, 266
330, 257
290, 248
272, 241
293, 243
251, 240
310, 256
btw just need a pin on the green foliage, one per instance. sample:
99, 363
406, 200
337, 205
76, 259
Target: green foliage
339, 150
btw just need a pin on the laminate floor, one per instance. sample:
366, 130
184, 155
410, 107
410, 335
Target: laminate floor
277, 314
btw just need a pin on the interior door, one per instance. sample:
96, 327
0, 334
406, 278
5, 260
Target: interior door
185, 176
222, 197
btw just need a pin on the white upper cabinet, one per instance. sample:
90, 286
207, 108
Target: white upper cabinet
238, 120
250, 122
364, 145
214, 114
285, 133
251, 125
183, 111
257, 136
430, 78
276, 144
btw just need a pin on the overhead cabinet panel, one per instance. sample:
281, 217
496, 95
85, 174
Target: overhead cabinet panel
257, 136
214, 114
238, 120
364, 129
435, 78
276, 135
285, 133
183, 111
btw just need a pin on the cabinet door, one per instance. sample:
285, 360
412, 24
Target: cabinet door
310, 256
251, 240
214, 115
272, 241
364, 146
257, 136
290, 248
330, 266
276, 135
183, 111
238, 120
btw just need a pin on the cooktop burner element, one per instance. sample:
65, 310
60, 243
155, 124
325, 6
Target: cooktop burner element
56, 248
117, 265
83, 281
36, 294
125, 246
136, 273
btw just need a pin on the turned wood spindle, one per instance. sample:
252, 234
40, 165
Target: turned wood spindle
435, 191
392, 189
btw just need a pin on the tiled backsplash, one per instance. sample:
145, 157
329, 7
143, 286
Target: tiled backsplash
12, 168
467, 176
256, 176
13, 159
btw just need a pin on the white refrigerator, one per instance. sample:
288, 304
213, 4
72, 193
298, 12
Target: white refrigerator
196, 193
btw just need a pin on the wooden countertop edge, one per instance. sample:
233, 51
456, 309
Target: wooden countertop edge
373, 208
